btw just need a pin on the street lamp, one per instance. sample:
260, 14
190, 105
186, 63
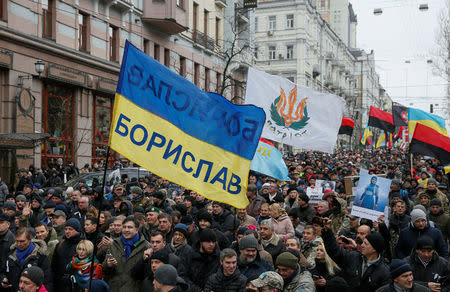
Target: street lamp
378, 11
39, 66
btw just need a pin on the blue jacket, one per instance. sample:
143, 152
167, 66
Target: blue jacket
409, 235
257, 267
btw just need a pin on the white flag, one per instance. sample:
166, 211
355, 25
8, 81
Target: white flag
295, 115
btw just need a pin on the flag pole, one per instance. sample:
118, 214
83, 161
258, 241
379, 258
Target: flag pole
411, 161
91, 272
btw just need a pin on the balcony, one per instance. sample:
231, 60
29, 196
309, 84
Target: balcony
201, 39
168, 16
221, 3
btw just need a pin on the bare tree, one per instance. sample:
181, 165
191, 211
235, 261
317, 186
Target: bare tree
441, 58
234, 50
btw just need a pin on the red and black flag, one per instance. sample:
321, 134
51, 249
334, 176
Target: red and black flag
347, 125
381, 119
428, 141
399, 114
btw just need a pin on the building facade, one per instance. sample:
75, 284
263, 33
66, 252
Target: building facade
295, 39
79, 44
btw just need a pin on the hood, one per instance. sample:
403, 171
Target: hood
129, 205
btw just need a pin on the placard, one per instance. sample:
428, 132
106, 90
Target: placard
315, 195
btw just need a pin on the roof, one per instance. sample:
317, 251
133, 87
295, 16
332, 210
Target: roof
21, 140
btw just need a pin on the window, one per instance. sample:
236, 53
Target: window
47, 18
291, 79
57, 120
218, 82
167, 58
195, 17
207, 80
205, 22
290, 21
147, 46
102, 120
183, 66
197, 74
272, 52
256, 24
156, 52
113, 43
83, 21
180, 3
217, 30
3, 9
256, 52
272, 22
289, 52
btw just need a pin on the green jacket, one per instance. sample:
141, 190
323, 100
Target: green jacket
119, 277
443, 221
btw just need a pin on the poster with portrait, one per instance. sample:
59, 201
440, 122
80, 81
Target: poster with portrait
326, 184
371, 196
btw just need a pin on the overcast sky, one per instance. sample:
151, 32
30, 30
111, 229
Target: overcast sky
401, 33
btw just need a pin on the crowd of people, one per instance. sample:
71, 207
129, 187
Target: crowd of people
148, 234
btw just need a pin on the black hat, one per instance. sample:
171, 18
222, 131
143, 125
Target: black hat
181, 208
50, 204
159, 195
425, 242
204, 215
138, 209
162, 255
399, 267
35, 274
10, 206
4, 217
74, 223
208, 234
187, 220
98, 190
190, 199
376, 240
290, 190
435, 202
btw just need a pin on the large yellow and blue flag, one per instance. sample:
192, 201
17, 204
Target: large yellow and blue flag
366, 134
381, 142
191, 137
269, 161
427, 119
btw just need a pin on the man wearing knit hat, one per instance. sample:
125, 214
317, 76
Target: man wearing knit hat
402, 278
203, 261
433, 191
138, 198
419, 226
64, 252
427, 266
438, 216
364, 270
31, 279
167, 280
249, 262
294, 278
205, 220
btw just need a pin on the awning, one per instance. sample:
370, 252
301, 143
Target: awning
21, 140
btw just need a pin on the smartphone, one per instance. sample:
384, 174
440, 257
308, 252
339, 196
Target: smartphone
316, 277
345, 240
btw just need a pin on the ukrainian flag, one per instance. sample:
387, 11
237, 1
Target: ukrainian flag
381, 140
194, 138
430, 120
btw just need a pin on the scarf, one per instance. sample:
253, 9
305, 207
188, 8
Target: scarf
128, 243
22, 255
398, 288
82, 268
177, 247
273, 240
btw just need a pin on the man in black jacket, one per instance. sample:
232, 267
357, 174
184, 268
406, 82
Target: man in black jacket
204, 261
427, 266
228, 277
6, 238
64, 252
25, 253
364, 270
402, 278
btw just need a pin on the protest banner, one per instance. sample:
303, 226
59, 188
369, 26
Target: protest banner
196, 139
314, 194
371, 196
